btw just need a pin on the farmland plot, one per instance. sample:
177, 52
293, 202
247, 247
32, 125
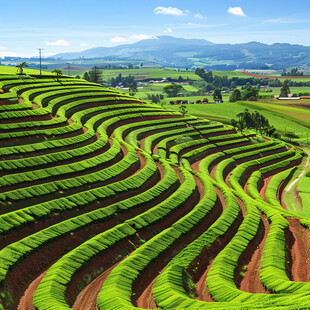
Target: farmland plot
108, 202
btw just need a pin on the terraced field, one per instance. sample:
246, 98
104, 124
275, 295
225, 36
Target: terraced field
111, 203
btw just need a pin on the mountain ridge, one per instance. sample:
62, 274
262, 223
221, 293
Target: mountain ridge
168, 50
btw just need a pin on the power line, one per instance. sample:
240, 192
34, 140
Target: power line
40, 55
68, 63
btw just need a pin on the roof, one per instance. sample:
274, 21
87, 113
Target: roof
289, 98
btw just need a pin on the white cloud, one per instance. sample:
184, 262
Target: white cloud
194, 25
168, 30
236, 11
199, 16
170, 11
118, 39
83, 44
2, 48
59, 43
141, 37
285, 20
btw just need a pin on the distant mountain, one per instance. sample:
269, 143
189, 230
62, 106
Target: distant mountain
168, 50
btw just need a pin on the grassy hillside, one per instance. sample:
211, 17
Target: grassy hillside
13, 70
109, 200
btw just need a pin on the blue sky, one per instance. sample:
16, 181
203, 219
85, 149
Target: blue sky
67, 25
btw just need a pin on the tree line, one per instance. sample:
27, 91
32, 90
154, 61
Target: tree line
255, 120
210, 81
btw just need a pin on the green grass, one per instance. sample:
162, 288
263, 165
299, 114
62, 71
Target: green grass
230, 74
149, 73
291, 196
226, 111
13, 70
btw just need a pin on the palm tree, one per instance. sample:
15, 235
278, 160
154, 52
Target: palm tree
58, 73
20, 67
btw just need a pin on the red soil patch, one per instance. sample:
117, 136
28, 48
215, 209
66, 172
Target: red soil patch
251, 258
179, 174
86, 300
260, 76
146, 299
7, 102
201, 286
298, 242
26, 301
263, 189
35, 106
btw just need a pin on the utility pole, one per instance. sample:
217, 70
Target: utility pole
40, 56
68, 63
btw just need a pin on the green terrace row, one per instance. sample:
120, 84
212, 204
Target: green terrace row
42, 134
101, 113
152, 127
164, 145
32, 125
53, 145
225, 292
95, 121
17, 118
32, 213
13, 253
212, 145
84, 167
16, 85
48, 146
168, 289
58, 157
14, 91
152, 141
51, 291
47, 100
28, 95
116, 291
256, 180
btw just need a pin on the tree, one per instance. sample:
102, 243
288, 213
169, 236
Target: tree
247, 119
250, 91
58, 73
155, 98
183, 109
86, 76
20, 67
235, 96
285, 89
208, 77
77, 77
217, 95
132, 88
172, 90
130, 66
95, 75
234, 123
200, 72
208, 87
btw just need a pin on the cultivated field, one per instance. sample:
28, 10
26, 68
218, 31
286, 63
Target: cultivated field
108, 202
